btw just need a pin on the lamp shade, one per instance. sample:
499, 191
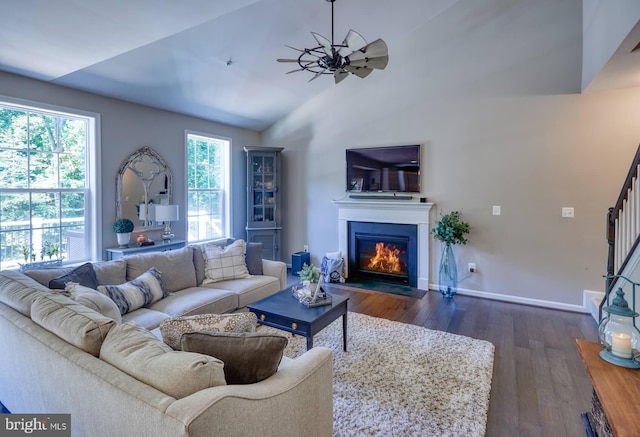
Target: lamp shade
166, 213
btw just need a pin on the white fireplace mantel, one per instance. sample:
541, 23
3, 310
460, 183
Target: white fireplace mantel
388, 211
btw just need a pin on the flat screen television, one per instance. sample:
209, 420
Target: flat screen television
384, 169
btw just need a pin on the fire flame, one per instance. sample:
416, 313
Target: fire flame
386, 259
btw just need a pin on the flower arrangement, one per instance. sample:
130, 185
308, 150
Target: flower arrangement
451, 229
309, 273
123, 226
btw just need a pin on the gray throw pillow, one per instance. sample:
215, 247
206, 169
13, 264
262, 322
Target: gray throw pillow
83, 275
253, 258
248, 357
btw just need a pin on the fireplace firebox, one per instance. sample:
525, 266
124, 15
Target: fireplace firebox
384, 252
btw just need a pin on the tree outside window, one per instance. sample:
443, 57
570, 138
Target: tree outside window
207, 186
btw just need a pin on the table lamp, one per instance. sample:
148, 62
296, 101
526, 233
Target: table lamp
166, 214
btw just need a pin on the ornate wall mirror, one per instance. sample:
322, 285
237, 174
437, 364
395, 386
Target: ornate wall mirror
143, 179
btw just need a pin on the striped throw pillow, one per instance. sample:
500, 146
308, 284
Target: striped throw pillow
142, 291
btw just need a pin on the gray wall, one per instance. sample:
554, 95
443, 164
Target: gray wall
495, 100
126, 127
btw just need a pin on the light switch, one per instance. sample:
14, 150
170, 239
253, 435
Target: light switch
567, 212
496, 210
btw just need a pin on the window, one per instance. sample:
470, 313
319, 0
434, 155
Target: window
208, 184
46, 181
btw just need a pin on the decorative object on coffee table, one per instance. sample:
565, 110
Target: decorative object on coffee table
450, 230
123, 228
618, 332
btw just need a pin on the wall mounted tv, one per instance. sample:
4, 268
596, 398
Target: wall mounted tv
384, 169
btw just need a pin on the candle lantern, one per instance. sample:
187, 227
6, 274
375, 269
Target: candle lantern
619, 335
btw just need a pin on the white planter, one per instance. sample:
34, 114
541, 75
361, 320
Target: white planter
123, 239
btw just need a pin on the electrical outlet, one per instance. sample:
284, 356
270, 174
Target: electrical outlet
568, 212
472, 268
306, 248
496, 210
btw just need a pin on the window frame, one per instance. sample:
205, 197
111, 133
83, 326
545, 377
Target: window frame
93, 173
227, 194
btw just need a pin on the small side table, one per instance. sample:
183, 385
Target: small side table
117, 252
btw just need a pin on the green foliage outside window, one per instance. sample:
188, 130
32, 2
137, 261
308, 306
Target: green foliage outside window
42, 181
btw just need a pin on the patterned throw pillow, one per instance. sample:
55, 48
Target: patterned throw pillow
332, 269
173, 329
95, 300
223, 263
142, 291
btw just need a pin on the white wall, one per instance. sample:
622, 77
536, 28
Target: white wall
126, 127
491, 89
605, 26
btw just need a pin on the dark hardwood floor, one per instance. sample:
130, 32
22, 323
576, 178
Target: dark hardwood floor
539, 385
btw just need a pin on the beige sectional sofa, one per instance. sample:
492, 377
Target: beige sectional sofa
50, 358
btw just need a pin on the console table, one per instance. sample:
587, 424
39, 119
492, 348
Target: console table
617, 388
117, 252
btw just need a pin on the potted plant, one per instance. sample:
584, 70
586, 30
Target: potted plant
123, 228
450, 230
309, 273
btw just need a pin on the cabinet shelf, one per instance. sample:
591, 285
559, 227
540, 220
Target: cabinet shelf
263, 200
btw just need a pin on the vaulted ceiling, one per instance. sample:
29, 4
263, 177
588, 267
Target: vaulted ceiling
214, 59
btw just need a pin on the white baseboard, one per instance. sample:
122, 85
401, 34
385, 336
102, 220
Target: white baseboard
584, 308
592, 301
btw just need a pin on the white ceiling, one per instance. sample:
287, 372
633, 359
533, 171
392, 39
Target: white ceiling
173, 54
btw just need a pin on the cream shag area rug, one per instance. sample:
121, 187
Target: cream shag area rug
404, 380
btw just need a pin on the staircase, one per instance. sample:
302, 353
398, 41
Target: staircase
623, 235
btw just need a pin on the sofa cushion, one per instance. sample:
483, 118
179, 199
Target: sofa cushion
83, 275
248, 357
142, 291
198, 256
176, 267
253, 258
173, 329
145, 317
74, 323
111, 272
43, 276
197, 300
95, 300
19, 291
250, 289
225, 263
136, 351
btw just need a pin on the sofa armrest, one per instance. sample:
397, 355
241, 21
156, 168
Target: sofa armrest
296, 400
277, 269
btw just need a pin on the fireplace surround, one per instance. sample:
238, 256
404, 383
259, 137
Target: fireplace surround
391, 212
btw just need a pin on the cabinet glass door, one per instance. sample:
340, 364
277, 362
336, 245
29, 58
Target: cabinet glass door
263, 189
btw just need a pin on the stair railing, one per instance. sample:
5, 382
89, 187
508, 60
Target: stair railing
623, 224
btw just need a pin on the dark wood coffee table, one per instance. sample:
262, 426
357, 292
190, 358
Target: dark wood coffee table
283, 311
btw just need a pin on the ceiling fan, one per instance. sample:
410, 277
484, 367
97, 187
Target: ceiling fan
328, 58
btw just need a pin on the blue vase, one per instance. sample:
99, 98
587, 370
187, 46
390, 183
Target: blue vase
448, 273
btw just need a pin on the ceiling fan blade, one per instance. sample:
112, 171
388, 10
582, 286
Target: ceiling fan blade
340, 75
376, 49
380, 63
361, 72
324, 42
286, 60
317, 75
293, 71
293, 48
354, 40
